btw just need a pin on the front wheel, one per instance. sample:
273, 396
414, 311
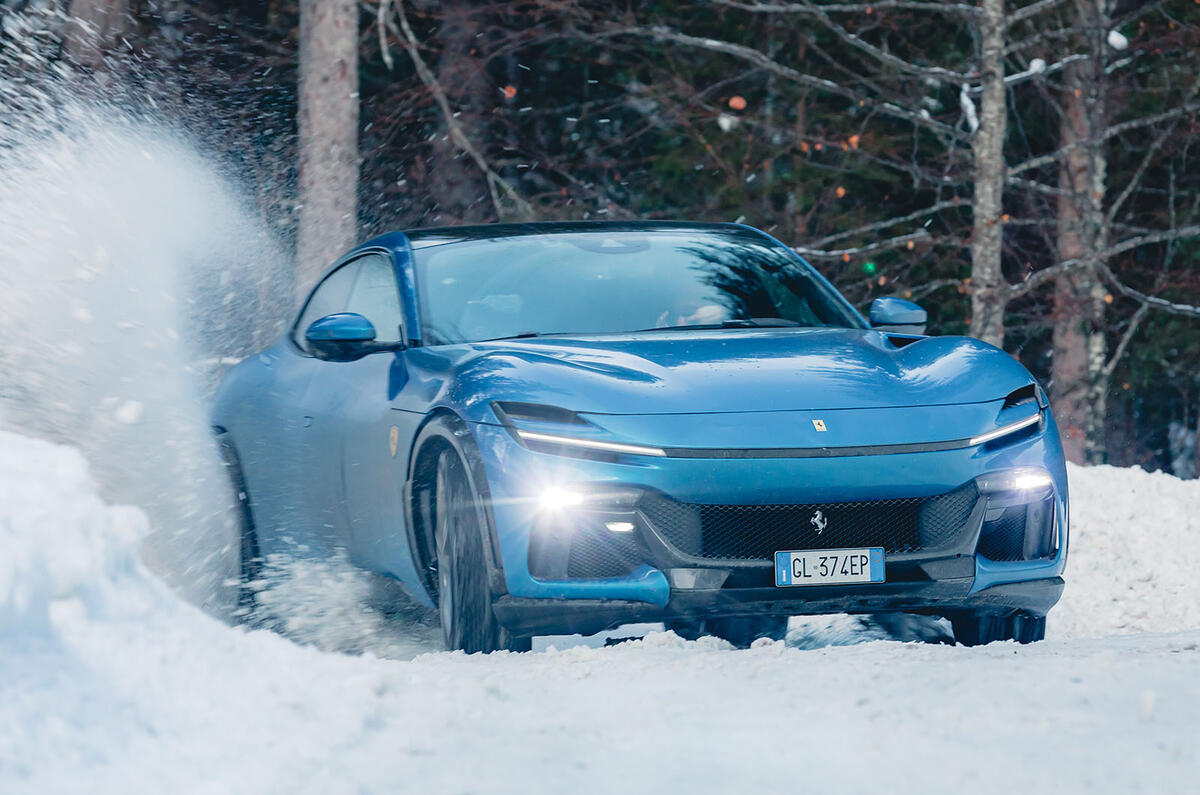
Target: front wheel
250, 562
980, 630
464, 599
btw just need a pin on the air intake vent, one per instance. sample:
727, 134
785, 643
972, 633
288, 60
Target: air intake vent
1019, 397
536, 412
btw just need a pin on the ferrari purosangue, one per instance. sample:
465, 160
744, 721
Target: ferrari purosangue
565, 427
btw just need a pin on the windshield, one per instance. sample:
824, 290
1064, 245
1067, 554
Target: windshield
616, 281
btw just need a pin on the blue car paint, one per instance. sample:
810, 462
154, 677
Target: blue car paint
313, 435
889, 311
343, 326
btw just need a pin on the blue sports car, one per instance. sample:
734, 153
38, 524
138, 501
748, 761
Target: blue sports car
565, 427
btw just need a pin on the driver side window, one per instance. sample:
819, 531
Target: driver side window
366, 286
376, 296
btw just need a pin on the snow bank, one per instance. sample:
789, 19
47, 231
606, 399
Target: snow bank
1134, 555
61, 544
109, 681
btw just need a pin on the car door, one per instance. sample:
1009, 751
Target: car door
309, 510
362, 441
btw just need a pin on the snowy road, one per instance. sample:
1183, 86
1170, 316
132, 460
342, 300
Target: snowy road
110, 683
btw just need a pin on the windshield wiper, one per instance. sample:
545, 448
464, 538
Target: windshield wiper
748, 322
521, 335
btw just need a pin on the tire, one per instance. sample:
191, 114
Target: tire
250, 563
980, 630
464, 599
741, 632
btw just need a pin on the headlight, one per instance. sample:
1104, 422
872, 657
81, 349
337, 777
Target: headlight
550, 418
557, 499
1030, 482
1005, 430
577, 443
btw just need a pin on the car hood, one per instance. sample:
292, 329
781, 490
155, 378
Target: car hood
734, 370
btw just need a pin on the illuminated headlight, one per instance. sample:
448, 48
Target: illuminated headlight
1005, 430
557, 499
578, 443
1030, 482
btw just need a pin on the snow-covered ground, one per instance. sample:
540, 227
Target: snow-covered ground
109, 682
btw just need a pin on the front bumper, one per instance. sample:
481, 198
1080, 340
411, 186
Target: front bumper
952, 578
943, 598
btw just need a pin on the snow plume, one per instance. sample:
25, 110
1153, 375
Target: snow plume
129, 268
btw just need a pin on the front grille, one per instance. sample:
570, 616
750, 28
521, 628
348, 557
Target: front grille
581, 547
1021, 532
756, 532
1004, 538
599, 553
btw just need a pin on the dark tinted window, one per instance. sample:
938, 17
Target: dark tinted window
605, 281
367, 286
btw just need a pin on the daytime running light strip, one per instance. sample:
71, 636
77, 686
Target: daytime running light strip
984, 438
591, 444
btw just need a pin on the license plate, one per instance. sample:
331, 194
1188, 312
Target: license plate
828, 566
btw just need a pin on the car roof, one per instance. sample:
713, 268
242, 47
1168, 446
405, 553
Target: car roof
433, 236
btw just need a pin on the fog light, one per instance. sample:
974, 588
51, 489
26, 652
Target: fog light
620, 527
697, 579
556, 499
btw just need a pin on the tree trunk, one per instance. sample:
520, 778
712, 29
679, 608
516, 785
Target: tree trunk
987, 275
94, 28
1080, 383
328, 127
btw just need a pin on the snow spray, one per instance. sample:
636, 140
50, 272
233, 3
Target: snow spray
131, 271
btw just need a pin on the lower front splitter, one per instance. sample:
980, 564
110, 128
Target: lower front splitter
525, 616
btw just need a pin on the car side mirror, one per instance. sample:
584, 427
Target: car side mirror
898, 316
343, 337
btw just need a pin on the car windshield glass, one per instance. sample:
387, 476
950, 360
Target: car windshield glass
616, 281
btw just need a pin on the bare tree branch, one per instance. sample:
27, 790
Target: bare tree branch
929, 287
1150, 301
381, 23
872, 248
1029, 11
1111, 132
885, 58
460, 139
769, 64
1035, 186
1038, 278
1136, 179
875, 227
1126, 338
861, 8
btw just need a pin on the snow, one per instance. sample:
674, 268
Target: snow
968, 108
1117, 40
1134, 554
112, 291
109, 680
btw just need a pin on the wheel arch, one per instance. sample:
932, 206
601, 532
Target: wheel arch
250, 553
444, 430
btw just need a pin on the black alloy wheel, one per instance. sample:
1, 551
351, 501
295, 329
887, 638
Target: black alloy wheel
464, 599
